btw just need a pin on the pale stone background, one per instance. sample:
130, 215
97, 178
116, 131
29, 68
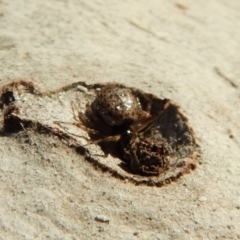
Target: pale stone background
184, 50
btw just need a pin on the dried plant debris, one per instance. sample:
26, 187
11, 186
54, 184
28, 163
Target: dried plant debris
132, 134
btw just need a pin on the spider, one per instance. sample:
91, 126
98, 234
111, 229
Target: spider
120, 114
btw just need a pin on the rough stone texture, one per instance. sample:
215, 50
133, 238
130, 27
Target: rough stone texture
183, 50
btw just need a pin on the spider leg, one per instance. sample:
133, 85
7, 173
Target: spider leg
79, 115
74, 110
105, 155
105, 139
135, 164
137, 167
79, 125
93, 118
144, 97
84, 122
144, 126
90, 121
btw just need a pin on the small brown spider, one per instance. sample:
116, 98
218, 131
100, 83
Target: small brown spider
122, 114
